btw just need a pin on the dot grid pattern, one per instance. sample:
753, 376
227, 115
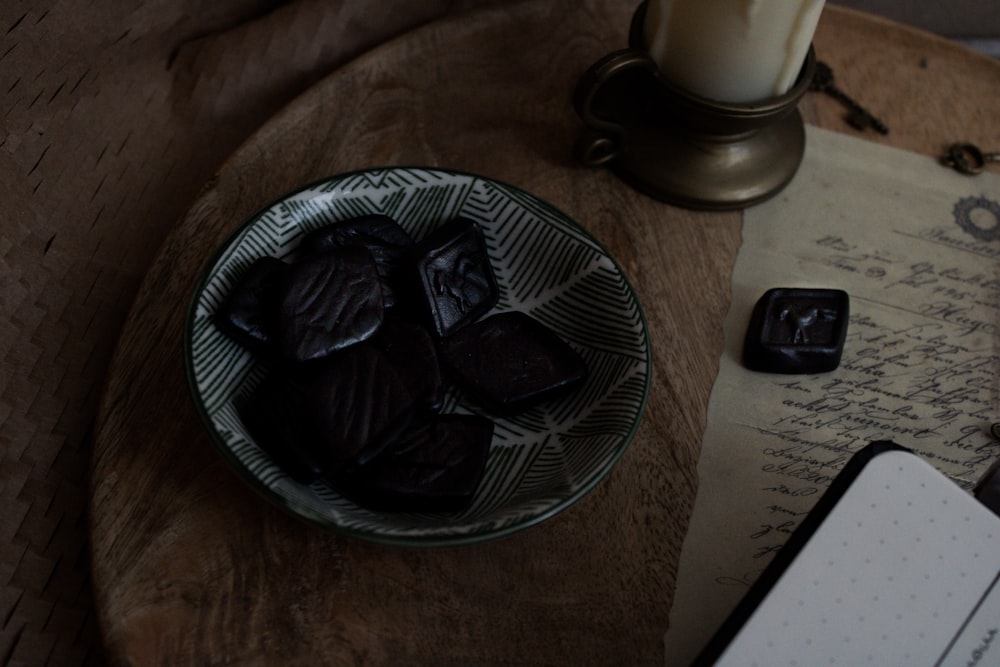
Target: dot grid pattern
903, 571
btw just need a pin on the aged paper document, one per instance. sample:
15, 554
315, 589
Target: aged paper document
917, 249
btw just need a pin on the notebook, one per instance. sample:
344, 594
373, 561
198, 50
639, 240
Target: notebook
895, 565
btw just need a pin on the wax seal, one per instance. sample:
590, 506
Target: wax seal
797, 330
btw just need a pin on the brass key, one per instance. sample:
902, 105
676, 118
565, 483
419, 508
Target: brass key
858, 116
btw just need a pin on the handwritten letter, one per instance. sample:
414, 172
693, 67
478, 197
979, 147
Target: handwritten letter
916, 247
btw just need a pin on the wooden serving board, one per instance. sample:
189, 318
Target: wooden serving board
191, 566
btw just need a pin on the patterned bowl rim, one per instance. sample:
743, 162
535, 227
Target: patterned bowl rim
304, 513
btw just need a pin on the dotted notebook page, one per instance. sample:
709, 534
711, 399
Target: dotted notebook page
903, 571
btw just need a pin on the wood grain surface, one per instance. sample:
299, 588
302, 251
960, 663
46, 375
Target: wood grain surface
191, 567
114, 116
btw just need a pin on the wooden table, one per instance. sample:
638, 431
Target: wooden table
190, 566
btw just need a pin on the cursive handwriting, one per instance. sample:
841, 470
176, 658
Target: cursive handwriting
946, 236
921, 372
983, 648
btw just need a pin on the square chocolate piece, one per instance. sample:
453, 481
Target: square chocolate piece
508, 362
436, 466
454, 272
797, 331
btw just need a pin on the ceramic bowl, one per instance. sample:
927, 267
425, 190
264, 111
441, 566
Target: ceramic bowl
540, 461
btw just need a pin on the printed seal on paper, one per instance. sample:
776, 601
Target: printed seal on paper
964, 211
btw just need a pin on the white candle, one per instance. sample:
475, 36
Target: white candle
731, 50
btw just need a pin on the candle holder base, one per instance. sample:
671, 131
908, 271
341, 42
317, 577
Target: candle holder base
681, 148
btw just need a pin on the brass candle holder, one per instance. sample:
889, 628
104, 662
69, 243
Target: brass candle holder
679, 147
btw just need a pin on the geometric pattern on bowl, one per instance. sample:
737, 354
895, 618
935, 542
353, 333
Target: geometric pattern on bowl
541, 461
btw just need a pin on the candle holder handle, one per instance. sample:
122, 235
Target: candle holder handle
603, 139
679, 147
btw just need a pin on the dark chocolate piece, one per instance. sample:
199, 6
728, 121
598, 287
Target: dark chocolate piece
380, 234
365, 230
437, 466
458, 285
510, 361
797, 330
359, 403
322, 418
249, 313
276, 417
330, 301
412, 352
